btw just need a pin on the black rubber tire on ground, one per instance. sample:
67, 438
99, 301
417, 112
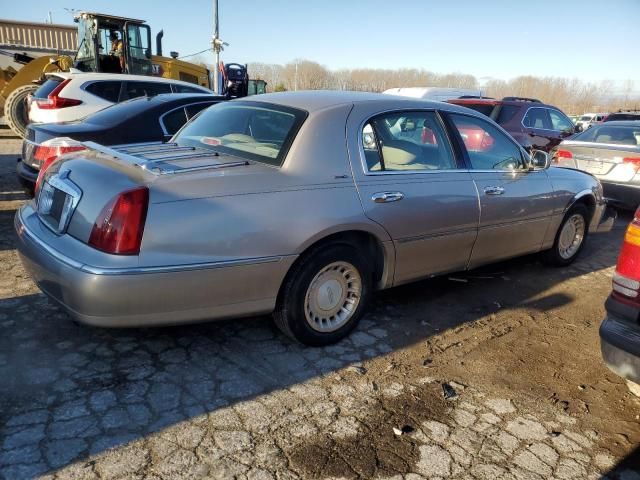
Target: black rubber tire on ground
15, 109
289, 314
552, 256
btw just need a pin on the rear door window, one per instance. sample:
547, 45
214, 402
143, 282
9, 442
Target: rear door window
406, 141
174, 120
146, 89
177, 88
193, 110
538, 118
109, 91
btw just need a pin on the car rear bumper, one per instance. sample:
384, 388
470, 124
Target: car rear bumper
135, 297
620, 345
26, 175
623, 194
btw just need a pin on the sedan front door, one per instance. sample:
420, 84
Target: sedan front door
516, 203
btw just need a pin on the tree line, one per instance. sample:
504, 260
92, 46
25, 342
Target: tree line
572, 95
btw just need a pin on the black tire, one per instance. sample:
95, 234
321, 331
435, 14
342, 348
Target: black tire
553, 256
15, 109
290, 316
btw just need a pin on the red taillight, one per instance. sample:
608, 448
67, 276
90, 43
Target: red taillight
632, 160
49, 151
120, 225
564, 154
626, 279
54, 101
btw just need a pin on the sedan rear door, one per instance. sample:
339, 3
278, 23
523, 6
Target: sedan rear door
408, 178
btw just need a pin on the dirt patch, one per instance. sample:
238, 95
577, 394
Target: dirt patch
376, 450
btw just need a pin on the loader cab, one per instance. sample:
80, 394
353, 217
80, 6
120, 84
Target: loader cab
98, 37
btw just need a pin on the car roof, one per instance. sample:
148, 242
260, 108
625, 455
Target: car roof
622, 123
316, 100
171, 97
118, 76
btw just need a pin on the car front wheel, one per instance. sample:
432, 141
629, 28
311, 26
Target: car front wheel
570, 237
324, 296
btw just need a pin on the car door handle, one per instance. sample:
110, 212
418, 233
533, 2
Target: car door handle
386, 197
493, 190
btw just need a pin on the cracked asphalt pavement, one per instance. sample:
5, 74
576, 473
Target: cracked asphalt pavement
513, 346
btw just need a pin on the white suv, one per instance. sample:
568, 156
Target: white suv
66, 97
588, 119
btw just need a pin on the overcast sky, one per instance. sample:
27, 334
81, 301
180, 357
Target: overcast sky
588, 39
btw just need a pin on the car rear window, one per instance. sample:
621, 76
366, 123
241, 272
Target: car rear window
47, 87
250, 130
109, 91
146, 89
611, 134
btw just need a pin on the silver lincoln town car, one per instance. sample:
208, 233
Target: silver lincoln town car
301, 204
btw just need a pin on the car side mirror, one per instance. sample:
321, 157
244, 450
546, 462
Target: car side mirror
540, 159
578, 128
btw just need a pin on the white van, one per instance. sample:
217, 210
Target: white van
440, 94
588, 119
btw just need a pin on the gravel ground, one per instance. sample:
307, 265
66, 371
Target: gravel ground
516, 345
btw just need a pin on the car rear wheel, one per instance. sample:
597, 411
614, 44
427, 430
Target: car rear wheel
570, 237
324, 296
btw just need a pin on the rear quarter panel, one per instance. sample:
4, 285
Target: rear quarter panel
260, 211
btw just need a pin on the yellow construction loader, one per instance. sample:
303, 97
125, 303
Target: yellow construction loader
106, 44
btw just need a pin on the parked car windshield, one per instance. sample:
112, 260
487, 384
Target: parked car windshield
251, 130
612, 134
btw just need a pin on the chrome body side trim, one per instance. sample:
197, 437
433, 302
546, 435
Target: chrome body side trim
23, 230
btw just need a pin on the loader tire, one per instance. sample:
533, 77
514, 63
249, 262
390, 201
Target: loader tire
15, 109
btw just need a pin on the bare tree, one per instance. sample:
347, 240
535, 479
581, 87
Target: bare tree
569, 94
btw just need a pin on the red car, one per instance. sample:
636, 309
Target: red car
620, 330
532, 123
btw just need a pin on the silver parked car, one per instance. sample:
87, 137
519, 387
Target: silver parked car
300, 204
611, 152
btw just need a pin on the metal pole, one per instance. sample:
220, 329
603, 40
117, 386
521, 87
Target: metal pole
216, 46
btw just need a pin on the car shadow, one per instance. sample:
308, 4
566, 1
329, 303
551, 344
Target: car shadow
78, 391
631, 463
68, 391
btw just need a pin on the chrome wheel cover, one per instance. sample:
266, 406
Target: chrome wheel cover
332, 297
571, 236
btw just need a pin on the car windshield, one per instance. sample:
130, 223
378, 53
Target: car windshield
585, 118
250, 130
611, 134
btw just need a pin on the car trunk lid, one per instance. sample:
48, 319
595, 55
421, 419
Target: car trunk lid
76, 188
600, 160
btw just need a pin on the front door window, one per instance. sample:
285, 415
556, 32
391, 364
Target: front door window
488, 148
